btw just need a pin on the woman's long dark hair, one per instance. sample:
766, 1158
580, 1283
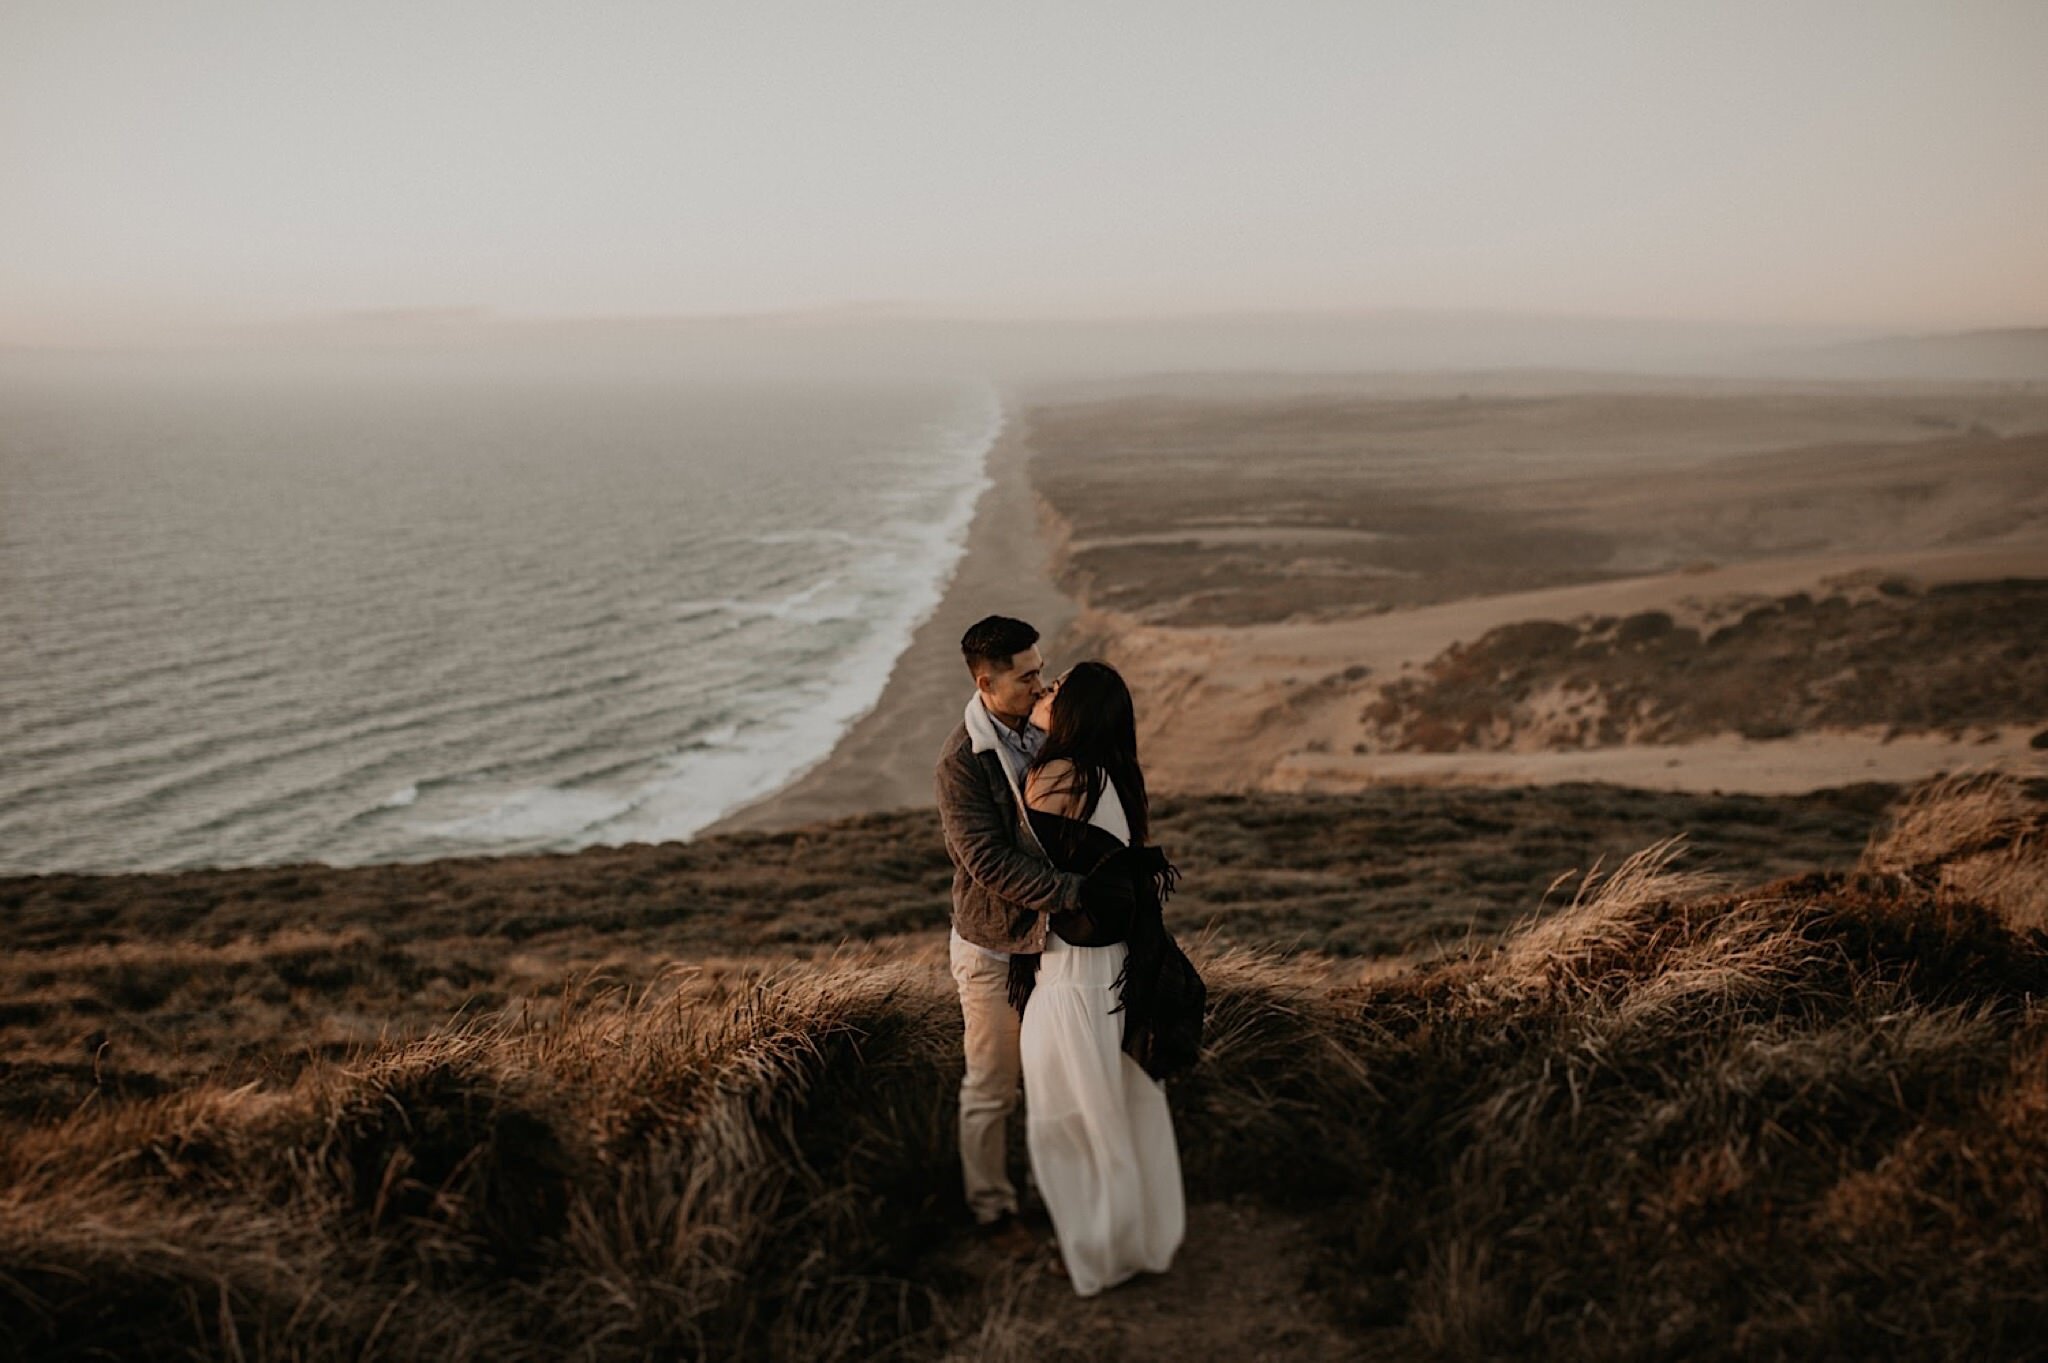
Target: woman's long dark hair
1095, 727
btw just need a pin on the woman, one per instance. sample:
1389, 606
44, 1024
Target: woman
1097, 1125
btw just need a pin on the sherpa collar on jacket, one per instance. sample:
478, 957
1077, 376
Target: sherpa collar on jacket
984, 733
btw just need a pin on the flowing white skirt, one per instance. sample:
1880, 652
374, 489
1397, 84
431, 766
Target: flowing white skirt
1100, 1135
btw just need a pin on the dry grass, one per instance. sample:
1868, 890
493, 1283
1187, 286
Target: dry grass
1977, 836
1808, 1118
1793, 1121
135, 986
622, 1175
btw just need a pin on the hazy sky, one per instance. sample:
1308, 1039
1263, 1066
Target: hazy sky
173, 162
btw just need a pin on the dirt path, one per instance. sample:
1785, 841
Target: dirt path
1235, 1295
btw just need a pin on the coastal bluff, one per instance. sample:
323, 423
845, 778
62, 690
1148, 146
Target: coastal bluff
1771, 1081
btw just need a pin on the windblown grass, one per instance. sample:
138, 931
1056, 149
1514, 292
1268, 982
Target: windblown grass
1667, 1118
1794, 1121
629, 1175
1979, 836
136, 985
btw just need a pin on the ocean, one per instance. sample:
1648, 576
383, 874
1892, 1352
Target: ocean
397, 614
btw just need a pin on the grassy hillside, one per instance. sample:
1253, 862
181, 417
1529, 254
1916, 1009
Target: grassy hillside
1892, 656
1671, 1116
134, 985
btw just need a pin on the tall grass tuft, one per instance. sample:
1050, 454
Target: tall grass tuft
1979, 836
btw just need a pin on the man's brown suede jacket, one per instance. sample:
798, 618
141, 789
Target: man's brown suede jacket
1003, 885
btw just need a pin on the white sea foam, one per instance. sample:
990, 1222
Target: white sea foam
547, 813
896, 587
775, 537
812, 605
718, 737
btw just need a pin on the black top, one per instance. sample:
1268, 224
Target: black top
1079, 846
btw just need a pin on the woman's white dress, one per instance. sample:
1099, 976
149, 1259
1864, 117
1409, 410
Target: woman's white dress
1100, 1135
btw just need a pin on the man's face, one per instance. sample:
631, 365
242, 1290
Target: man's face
1041, 713
1012, 692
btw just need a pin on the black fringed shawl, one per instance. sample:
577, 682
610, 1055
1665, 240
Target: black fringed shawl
1121, 902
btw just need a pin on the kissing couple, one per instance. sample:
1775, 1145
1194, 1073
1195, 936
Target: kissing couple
1068, 979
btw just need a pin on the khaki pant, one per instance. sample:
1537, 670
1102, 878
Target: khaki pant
988, 1091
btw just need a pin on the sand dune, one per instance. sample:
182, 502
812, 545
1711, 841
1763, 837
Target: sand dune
1276, 707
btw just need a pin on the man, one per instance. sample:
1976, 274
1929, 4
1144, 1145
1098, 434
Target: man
1004, 887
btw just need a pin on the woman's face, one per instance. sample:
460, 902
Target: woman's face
1041, 713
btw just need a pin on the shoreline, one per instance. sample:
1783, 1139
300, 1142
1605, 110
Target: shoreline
884, 761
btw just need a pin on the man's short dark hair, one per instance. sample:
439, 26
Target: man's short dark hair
990, 643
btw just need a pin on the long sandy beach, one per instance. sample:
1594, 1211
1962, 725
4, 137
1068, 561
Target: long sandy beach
1293, 574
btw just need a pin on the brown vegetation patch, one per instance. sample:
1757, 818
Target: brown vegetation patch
1955, 655
1193, 515
1181, 510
